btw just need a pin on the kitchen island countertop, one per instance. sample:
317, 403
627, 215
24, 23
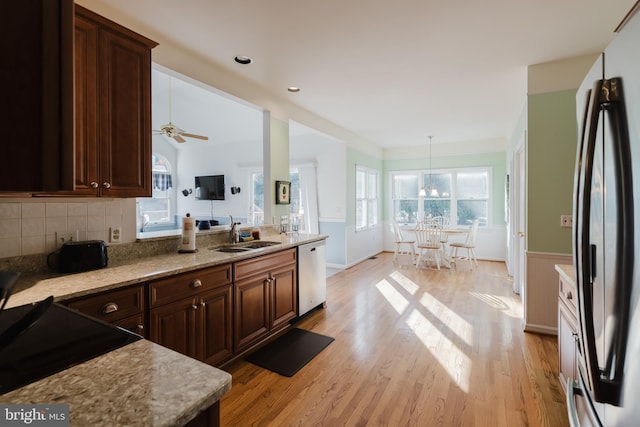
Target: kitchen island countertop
140, 384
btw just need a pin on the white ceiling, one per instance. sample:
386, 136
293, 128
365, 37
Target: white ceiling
392, 72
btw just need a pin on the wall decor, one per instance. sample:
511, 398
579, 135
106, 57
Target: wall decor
283, 192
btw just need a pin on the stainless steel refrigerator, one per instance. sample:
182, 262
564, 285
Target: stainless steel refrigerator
606, 238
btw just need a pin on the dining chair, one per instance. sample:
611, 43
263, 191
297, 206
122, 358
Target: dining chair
469, 244
429, 242
401, 242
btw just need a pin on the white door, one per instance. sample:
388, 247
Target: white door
520, 203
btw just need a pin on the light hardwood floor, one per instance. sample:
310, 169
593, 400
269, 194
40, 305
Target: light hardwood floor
412, 348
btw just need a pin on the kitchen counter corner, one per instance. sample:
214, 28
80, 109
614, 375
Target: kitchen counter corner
141, 384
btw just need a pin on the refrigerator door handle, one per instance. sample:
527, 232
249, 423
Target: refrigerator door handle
625, 236
606, 383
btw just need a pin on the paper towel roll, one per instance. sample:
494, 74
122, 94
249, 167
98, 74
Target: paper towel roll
188, 234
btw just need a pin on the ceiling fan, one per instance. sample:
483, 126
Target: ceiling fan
172, 131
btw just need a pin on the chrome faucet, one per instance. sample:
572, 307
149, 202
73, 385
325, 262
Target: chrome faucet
234, 235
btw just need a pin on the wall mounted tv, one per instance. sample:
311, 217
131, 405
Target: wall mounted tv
210, 187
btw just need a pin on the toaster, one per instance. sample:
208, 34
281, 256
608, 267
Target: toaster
82, 256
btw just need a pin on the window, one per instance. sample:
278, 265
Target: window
155, 211
366, 197
256, 205
461, 195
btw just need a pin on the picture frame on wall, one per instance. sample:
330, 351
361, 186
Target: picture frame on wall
283, 192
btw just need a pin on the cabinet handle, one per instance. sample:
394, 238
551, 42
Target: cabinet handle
140, 328
196, 283
203, 304
195, 307
93, 184
106, 185
568, 295
111, 307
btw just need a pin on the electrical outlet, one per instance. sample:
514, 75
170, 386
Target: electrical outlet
65, 236
114, 234
566, 221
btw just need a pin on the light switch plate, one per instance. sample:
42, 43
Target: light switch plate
64, 236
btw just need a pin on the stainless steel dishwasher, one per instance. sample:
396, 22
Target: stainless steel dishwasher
312, 276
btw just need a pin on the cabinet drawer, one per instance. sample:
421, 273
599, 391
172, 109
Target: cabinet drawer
112, 306
568, 294
264, 263
188, 284
134, 324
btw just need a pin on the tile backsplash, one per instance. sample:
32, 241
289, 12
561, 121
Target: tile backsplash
30, 226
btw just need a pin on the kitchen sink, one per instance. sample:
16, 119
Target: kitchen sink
230, 249
245, 246
257, 244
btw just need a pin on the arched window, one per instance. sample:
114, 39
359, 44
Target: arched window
155, 212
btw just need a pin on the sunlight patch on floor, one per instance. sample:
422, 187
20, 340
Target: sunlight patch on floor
406, 283
395, 298
452, 359
507, 305
449, 353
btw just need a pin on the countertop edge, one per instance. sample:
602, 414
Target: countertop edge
567, 271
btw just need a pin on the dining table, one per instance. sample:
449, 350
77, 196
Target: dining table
459, 233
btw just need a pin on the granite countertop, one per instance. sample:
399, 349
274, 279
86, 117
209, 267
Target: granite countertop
568, 272
140, 384
143, 383
125, 273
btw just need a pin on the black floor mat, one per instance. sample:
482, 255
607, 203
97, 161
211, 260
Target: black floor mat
290, 352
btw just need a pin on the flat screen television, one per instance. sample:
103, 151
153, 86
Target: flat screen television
210, 187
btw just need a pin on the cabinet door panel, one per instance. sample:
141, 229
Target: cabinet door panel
251, 311
124, 77
174, 326
217, 339
284, 296
86, 99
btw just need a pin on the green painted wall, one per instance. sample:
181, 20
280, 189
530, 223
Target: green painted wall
357, 158
279, 137
551, 154
496, 161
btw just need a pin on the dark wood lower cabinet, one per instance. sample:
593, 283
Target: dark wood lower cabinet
199, 327
266, 297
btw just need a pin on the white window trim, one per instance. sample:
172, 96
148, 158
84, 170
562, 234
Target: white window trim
422, 173
367, 171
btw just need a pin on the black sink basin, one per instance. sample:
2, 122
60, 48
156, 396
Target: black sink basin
245, 246
257, 244
230, 249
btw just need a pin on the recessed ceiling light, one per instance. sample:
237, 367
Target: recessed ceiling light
244, 60
293, 89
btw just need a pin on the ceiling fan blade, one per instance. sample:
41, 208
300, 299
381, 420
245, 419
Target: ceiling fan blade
179, 138
191, 135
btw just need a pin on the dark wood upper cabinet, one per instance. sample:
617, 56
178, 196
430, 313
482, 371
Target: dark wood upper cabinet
78, 115
113, 108
36, 38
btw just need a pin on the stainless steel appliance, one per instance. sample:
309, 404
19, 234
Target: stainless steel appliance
606, 245
312, 276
